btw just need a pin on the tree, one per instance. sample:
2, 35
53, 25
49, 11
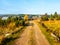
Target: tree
0, 22
26, 17
51, 17
17, 23
55, 15
22, 22
44, 17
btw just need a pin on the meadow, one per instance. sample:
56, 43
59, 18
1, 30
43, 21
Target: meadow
53, 28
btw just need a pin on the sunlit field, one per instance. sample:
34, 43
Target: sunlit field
10, 28
53, 28
29, 22
15, 30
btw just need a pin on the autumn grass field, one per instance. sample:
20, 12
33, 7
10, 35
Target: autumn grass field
51, 30
10, 29
44, 29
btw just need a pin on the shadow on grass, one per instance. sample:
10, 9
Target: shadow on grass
7, 40
12, 37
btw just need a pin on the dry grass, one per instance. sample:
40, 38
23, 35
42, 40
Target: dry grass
54, 26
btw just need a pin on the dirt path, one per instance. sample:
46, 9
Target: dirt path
24, 39
39, 37
32, 35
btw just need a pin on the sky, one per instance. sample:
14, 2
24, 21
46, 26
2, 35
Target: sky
29, 6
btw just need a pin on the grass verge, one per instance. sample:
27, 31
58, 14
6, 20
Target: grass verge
10, 39
47, 35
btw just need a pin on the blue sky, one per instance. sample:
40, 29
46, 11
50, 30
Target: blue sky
29, 6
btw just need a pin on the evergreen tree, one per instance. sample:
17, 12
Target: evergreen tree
55, 15
51, 17
44, 17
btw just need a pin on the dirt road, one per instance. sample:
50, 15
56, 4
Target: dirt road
32, 35
24, 37
39, 37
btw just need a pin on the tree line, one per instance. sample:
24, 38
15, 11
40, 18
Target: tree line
51, 16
